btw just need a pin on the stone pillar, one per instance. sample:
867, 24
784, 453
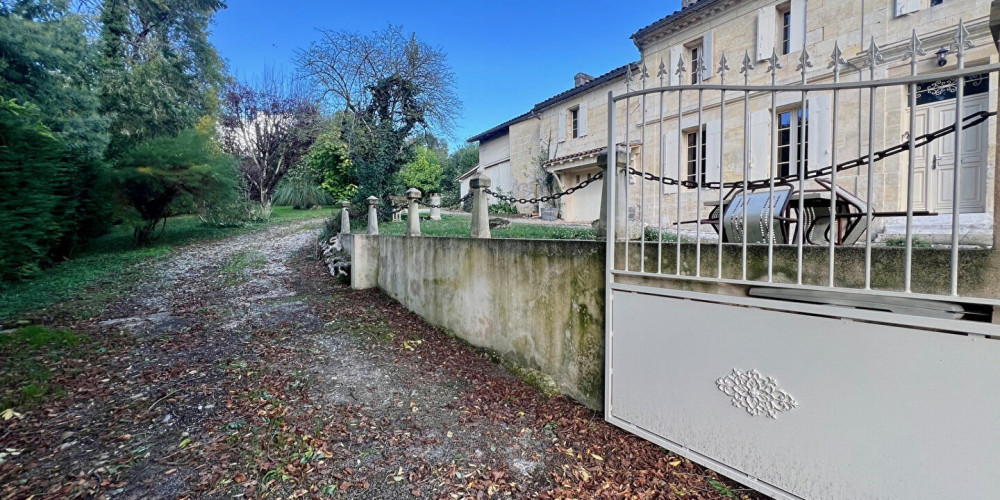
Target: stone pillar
621, 184
413, 215
436, 206
345, 217
480, 206
372, 215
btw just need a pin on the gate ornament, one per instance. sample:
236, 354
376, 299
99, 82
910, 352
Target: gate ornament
755, 393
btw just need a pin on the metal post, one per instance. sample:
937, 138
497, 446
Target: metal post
413, 215
480, 205
961, 43
345, 217
372, 215
912, 54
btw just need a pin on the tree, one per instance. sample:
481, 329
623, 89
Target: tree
269, 125
47, 61
458, 163
389, 87
423, 172
347, 68
329, 157
31, 171
161, 175
160, 74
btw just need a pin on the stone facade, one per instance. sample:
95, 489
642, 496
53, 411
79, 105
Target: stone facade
732, 27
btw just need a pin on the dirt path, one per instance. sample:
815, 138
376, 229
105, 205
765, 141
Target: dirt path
239, 368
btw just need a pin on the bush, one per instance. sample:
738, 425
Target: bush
503, 207
164, 176
300, 192
32, 174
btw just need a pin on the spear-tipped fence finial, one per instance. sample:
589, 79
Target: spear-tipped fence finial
723, 65
805, 62
914, 49
747, 66
961, 39
772, 63
873, 55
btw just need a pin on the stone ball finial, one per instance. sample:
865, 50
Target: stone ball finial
480, 181
372, 200
413, 194
345, 204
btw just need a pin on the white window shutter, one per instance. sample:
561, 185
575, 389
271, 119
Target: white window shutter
797, 36
562, 126
760, 144
669, 150
713, 159
766, 34
820, 131
904, 7
706, 49
581, 119
676, 54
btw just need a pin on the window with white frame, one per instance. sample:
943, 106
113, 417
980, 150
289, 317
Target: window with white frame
696, 149
695, 52
785, 29
793, 141
574, 119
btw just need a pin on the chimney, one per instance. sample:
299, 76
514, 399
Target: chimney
687, 3
581, 79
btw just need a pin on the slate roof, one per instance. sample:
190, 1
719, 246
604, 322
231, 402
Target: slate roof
697, 7
600, 80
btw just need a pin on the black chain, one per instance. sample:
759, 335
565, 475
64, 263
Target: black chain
543, 199
390, 212
921, 141
453, 205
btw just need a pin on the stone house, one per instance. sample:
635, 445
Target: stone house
711, 29
553, 146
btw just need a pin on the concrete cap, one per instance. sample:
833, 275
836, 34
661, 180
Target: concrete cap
413, 194
345, 204
372, 200
479, 181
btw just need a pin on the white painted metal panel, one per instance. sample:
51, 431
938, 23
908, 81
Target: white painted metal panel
881, 411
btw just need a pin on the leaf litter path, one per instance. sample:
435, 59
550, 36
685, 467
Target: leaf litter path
239, 368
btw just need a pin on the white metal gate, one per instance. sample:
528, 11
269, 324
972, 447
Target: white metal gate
755, 324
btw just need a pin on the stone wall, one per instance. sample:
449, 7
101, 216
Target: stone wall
538, 304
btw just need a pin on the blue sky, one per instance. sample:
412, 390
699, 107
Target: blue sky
507, 55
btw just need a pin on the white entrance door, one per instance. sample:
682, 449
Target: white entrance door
935, 172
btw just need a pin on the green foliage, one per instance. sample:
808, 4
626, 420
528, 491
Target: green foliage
458, 163
502, 207
459, 226
301, 192
329, 158
423, 171
33, 175
159, 72
46, 60
161, 176
25, 356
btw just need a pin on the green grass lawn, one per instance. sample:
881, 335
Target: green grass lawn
102, 267
458, 226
